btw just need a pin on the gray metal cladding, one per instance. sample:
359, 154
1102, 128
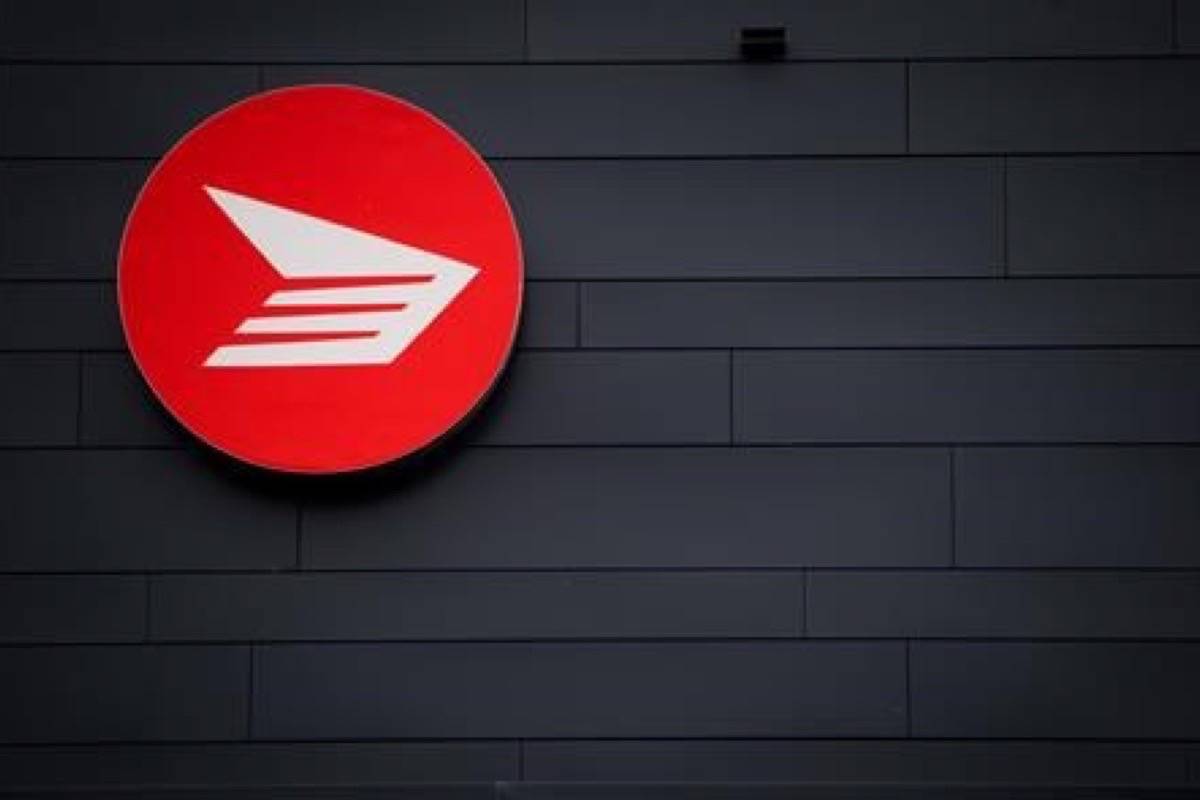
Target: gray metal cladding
851, 447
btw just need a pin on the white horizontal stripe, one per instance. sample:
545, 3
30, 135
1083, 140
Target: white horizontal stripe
363, 322
350, 295
334, 352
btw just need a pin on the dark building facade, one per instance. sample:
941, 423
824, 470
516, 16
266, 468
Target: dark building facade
849, 449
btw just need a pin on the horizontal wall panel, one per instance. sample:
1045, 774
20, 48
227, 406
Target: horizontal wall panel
646, 110
63, 219
1188, 25
825, 791
614, 218
520, 790
113, 110
1018, 396
549, 315
126, 510
120, 693
638, 507
941, 313
504, 690
229, 30
598, 398
679, 29
119, 409
1050, 763
39, 404
1132, 215
1004, 604
1055, 106
1091, 507
395, 791
1055, 690
256, 764
63, 316
757, 218
76, 608
475, 606
610, 398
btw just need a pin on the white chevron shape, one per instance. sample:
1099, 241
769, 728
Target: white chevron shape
303, 247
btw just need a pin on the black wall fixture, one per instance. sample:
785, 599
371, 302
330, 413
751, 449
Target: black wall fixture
763, 43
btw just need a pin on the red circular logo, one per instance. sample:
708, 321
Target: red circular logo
320, 279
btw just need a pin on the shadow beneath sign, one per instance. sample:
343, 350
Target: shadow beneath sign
364, 485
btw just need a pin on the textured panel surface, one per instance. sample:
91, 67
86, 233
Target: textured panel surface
115, 510
430, 606
1052, 507
778, 689
566, 30
941, 313
639, 507
646, 110
1019, 396
851, 448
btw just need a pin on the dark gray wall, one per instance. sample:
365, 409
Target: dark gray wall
852, 446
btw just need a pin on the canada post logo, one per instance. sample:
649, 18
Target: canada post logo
320, 279
304, 249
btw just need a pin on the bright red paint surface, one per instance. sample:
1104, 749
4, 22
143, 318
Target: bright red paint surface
188, 276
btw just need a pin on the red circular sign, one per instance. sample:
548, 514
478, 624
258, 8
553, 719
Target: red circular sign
320, 279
